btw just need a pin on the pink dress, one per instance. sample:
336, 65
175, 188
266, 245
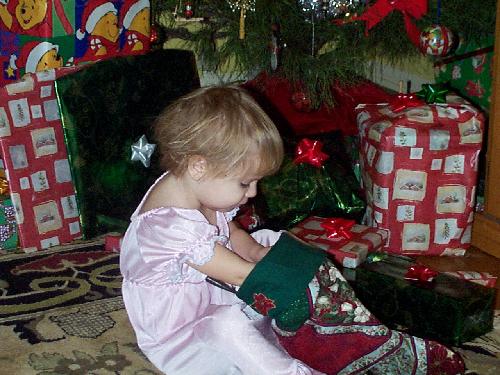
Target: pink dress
183, 324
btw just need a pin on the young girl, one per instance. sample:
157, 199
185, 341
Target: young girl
215, 144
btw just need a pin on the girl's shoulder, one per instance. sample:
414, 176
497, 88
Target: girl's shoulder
173, 215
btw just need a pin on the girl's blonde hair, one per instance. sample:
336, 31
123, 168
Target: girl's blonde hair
222, 124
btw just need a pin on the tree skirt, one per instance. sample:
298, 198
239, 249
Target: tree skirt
61, 313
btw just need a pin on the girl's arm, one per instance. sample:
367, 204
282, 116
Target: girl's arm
245, 245
226, 266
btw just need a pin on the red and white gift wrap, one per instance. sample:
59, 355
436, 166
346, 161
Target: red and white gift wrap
349, 252
481, 278
35, 160
419, 170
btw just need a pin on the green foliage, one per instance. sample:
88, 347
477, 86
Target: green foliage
335, 53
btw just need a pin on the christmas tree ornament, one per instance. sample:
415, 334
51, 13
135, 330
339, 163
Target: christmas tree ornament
243, 6
275, 46
142, 151
433, 93
153, 36
301, 101
437, 40
188, 10
157, 36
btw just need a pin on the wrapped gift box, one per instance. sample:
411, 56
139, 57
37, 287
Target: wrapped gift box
106, 108
36, 164
348, 252
66, 33
447, 309
419, 170
300, 189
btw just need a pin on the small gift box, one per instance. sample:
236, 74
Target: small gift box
481, 278
348, 243
408, 296
316, 181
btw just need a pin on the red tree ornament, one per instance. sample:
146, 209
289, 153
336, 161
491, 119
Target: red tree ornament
301, 101
188, 10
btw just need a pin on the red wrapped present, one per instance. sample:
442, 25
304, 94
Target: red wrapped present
34, 156
419, 169
347, 242
481, 278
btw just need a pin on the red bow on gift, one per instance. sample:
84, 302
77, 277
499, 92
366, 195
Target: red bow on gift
338, 228
309, 151
403, 101
419, 272
410, 9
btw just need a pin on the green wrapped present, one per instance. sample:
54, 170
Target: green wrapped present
412, 297
314, 182
106, 109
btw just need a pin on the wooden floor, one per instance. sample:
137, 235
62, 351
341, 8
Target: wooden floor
474, 260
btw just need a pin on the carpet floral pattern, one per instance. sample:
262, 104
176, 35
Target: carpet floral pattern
61, 313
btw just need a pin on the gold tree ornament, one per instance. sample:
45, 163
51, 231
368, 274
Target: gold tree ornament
243, 6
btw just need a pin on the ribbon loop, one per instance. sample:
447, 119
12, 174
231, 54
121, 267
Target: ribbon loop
404, 101
309, 151
433, 93
410, 10
419, 272
338, 228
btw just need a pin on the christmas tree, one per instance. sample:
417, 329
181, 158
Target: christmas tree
314, 42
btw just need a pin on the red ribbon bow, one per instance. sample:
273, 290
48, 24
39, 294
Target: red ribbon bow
403, 101
309, 151
338, 228
410, 9
419, 272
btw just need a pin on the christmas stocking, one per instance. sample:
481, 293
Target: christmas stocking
319, 320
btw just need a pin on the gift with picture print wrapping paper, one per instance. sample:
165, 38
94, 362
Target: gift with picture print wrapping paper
36, 164
46, 34
419, 166
344, 240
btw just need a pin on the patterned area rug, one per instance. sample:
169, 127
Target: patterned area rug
61, 313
